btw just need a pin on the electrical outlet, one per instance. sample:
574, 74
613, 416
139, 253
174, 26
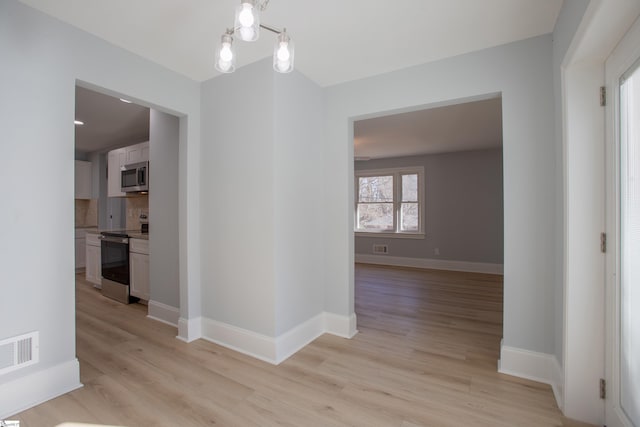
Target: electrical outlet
436, 251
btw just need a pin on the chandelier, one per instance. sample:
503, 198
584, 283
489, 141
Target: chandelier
247, 27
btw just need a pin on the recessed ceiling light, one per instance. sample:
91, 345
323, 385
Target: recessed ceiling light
125, 101
78, 122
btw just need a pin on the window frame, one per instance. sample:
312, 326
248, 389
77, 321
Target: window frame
397, 174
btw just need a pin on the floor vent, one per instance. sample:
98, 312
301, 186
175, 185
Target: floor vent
380, 249
18, 352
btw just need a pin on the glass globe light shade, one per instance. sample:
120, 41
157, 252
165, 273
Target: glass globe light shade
247, 23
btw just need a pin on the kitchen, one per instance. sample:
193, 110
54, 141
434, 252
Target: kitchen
126, 169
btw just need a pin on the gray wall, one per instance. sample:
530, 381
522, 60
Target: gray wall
568, 21
237, 199
42, 61
463, 207
164, 253
522, 73
262, 199
298, 204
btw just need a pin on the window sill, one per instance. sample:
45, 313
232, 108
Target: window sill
390, 235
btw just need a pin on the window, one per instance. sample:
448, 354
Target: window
390, 202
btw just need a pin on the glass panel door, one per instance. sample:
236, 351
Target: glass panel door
629, 358
622, 402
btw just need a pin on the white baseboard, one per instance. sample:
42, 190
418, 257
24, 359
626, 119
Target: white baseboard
558, 383
278, 349
189, 329
33, 389
295, 339
540, 367
342, 326
436, 264
163, 313
241, 340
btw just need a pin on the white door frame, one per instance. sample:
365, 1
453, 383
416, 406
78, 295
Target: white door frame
602, 27
622, 58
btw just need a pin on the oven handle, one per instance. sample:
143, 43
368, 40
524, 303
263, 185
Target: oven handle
113, 239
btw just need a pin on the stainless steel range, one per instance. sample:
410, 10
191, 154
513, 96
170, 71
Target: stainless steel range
115, 266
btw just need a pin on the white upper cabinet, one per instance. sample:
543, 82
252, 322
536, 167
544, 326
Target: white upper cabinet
115, 159
83, 179
137, 153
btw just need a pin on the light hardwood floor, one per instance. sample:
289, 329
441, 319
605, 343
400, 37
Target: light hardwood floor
425, 355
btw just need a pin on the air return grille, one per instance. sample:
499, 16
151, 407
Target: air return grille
18, 352
380, 249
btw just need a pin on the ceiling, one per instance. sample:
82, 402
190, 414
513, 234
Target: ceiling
108, 122
336, 40
460, 127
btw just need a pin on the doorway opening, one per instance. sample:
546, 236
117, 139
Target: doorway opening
113, 134
429, 226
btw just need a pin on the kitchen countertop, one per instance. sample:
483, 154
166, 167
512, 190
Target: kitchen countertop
138, 235
133, 234
80, 232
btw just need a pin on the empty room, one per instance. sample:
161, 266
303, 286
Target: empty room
232, 232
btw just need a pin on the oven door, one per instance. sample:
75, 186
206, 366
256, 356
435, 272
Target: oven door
115, 258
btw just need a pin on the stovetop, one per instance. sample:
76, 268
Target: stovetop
115, 233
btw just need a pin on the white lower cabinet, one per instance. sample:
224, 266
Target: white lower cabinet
80, 254
79, 246
93, 270
139, 268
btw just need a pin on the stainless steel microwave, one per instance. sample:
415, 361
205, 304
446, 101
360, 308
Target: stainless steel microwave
134, 177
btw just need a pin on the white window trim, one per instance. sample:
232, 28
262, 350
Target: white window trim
397, 185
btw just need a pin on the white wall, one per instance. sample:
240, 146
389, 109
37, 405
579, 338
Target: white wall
522, 72
238, 199
164, 253
299, 206
568, 21
262, 197
42, 59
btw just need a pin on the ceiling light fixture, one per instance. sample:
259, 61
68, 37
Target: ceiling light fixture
126, 101
78, 122
247, 28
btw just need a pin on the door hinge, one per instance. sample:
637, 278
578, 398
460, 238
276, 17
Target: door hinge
603, 243
603, 389
603, 96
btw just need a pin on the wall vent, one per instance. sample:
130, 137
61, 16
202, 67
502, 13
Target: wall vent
19, 352
380, 249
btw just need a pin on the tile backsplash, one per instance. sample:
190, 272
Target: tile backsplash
136, 206
86, 213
